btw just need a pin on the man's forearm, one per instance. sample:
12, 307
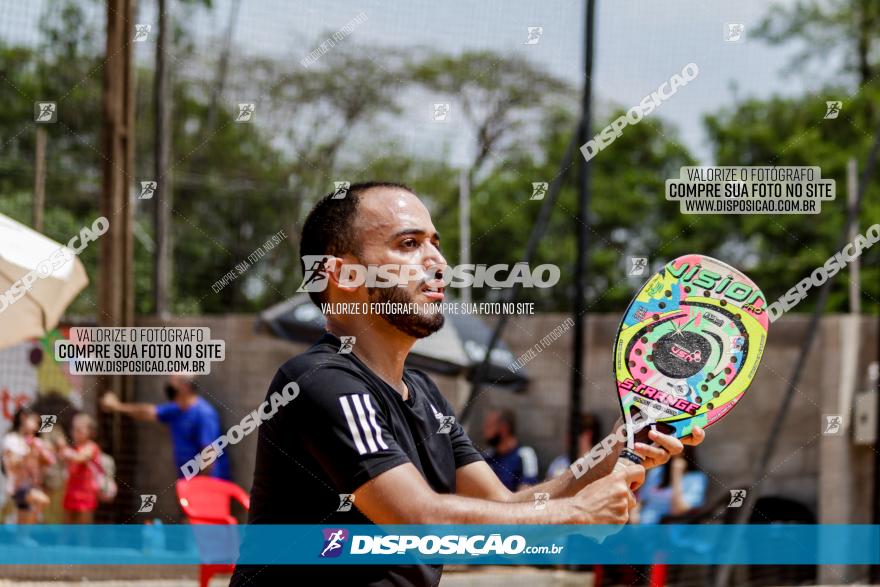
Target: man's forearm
455, 509
567, 485
137, 411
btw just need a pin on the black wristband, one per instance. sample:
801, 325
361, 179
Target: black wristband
631, 456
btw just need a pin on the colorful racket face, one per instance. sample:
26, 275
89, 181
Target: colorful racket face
689, 345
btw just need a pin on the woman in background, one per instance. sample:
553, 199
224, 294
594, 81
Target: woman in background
671, 490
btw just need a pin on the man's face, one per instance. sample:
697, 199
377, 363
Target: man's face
177, 388
492, 429
396, 228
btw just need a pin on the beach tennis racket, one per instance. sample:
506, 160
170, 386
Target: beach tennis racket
687, 348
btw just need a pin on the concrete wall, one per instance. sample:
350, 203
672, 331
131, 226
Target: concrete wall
237, 385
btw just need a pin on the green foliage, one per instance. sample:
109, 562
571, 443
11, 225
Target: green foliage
781, 131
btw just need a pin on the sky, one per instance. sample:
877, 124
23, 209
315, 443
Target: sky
639, 45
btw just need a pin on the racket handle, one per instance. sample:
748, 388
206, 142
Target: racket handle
630, 456
627, 458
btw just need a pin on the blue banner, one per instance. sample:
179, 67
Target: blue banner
778, 544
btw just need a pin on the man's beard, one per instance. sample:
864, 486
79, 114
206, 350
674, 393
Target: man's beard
416, 325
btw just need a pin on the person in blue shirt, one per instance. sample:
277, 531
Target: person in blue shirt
194, 423
516, 466
671, 490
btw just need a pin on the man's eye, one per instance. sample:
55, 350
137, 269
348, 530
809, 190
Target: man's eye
410, 242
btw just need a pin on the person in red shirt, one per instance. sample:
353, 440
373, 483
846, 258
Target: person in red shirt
83, 465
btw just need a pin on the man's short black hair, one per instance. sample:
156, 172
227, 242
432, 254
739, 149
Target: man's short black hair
329, 227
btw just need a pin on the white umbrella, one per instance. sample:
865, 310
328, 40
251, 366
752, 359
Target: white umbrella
38, 280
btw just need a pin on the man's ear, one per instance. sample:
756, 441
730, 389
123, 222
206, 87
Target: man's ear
345, 273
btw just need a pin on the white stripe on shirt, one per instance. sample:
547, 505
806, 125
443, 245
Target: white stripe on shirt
355, 433
369, 403
362, 418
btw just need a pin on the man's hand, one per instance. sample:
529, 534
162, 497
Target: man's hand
609, 500
110, 402
666, 446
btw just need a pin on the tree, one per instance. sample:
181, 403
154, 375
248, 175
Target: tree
824, 26
791, 131
496, 94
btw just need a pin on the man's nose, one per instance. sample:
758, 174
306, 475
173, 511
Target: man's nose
435, 260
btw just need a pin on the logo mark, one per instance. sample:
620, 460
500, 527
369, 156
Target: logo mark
541, 500
346, 500
441, 112
47, 422
539, 190
734, 32
446, 424
737, 498
686, 355
679, 388
245, 112
45, 112
833, 425
141, 32
832, 109
713, 319
346, 344
638, 265
535, 33
148, 188
147, 503
315, 276
340, 190
333, 540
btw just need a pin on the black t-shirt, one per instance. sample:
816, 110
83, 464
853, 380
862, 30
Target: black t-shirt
344, 428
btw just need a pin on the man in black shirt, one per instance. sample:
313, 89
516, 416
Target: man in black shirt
364, 426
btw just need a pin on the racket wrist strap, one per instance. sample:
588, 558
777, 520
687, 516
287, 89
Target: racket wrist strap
630, 455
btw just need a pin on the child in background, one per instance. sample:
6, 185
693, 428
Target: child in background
81, 494
25, 458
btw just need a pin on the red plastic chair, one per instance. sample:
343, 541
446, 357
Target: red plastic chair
206, 500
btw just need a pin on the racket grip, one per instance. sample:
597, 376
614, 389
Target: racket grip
631, 456
627, 458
